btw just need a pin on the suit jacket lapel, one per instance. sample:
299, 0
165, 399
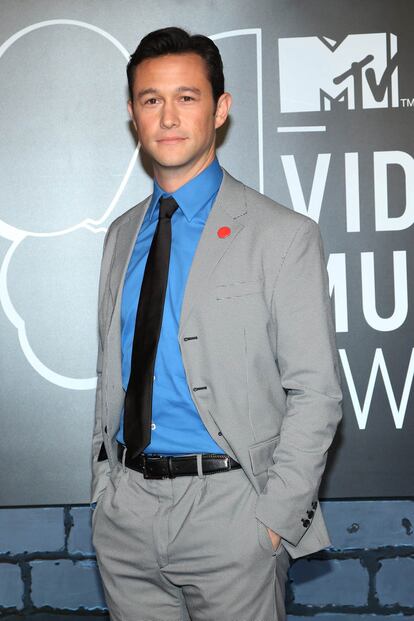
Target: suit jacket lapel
229, 210
125, 244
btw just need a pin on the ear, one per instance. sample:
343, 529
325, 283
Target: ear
222, 109
131, 114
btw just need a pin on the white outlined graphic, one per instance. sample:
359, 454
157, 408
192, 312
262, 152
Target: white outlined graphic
95, 225
17, 235
14, 234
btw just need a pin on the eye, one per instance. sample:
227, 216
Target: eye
151, 101
187, 98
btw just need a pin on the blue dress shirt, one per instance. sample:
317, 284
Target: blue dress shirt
176, 425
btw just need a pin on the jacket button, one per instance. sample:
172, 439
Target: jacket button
305, 523
219, 433
314, 505
310, 514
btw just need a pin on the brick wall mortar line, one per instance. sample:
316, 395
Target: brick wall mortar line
373, 566
46, 611
381, 552
16, 559
68, 523
26, 574
304, 610
364, 555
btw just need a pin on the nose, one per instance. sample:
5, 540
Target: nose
169, 116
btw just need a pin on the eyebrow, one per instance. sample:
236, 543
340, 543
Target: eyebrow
180, 89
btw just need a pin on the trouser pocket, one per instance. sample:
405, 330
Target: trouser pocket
265, 541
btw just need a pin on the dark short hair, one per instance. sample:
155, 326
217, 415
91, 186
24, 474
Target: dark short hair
177, 41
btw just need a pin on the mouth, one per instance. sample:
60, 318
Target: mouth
170, 140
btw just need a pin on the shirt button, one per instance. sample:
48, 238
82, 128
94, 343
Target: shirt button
154, 378
153, 426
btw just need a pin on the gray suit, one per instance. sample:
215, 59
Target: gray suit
263, 369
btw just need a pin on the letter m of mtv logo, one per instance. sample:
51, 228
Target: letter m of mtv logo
317, 73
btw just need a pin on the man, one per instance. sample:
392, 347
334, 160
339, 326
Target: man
218, 393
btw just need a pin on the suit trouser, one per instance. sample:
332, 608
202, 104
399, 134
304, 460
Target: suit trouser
187, 548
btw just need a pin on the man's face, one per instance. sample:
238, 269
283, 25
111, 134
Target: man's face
174, 114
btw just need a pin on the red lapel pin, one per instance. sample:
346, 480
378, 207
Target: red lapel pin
223, 231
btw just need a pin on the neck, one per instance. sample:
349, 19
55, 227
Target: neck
171, 178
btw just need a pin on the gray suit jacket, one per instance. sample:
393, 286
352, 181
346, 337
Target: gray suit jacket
263, 369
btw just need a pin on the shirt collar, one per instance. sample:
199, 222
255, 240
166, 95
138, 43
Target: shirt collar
193, 195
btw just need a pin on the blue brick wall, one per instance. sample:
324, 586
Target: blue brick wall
48, 569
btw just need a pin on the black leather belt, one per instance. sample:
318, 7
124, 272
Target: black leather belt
169, 467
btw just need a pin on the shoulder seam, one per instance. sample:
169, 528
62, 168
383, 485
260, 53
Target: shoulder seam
285, 254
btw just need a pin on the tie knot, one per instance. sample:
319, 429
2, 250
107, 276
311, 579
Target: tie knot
167, 207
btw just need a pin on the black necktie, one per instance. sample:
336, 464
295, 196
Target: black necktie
138, 398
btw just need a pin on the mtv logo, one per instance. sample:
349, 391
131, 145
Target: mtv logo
359, 72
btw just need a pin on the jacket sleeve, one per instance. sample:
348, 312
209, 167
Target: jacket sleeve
308, 365
100, 467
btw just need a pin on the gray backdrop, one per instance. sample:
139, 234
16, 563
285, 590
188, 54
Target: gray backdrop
322, 122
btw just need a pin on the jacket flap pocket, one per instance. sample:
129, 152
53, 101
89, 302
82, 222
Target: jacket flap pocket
238, 289
261, 454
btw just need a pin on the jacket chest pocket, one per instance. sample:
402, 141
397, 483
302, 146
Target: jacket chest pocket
238, 290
